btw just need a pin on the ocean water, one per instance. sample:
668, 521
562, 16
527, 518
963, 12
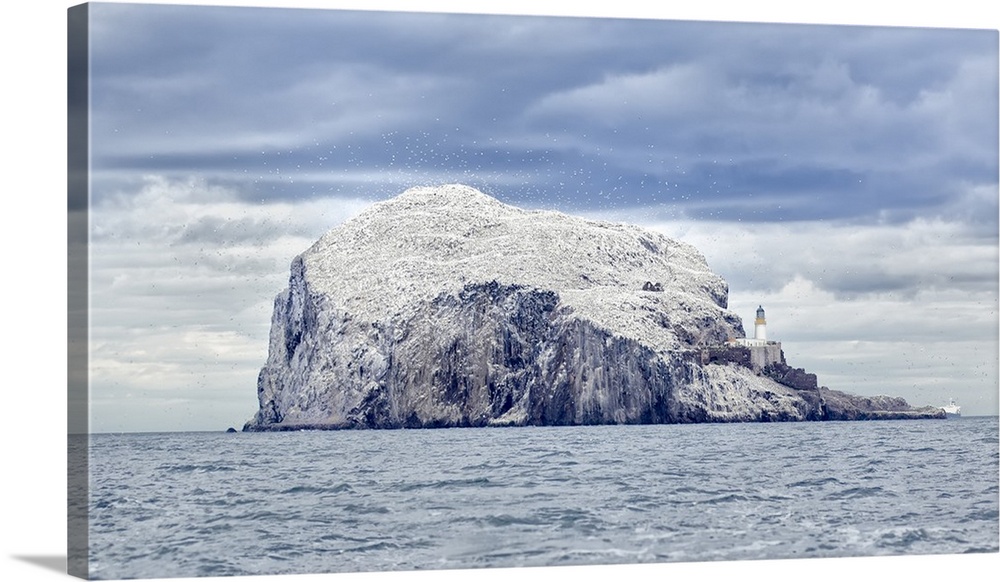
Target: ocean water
216, 504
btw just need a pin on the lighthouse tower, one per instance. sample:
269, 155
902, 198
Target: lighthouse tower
760, 325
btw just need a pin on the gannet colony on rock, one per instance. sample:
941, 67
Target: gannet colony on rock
444, 307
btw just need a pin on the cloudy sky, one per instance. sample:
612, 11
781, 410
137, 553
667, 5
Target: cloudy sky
844, 177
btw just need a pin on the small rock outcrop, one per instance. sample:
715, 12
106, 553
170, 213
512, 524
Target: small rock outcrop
443, 307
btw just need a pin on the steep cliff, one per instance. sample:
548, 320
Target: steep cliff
444, 307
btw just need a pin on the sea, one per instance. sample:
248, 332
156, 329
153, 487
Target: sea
217, 504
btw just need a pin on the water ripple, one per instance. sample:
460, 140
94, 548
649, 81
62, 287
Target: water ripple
182, 505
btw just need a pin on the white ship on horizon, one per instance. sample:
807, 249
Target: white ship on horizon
952, 410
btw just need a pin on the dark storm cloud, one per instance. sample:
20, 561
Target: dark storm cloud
697, 119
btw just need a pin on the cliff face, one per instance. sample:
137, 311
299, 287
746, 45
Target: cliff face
444, 307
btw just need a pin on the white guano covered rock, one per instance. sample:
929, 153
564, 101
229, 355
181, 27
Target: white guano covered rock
445, 307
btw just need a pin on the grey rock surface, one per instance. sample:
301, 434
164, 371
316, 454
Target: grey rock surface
443, 307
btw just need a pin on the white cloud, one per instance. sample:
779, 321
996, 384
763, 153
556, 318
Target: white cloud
965, 109
669, 92
180, 305
844, 258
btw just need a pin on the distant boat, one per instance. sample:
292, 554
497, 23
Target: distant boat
952, 410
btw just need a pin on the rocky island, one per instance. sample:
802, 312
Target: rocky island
444, 307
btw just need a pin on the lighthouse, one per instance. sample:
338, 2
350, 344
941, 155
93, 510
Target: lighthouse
760, 325
757, 350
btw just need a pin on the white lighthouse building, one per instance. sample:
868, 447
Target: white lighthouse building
759, 332
760, 325
762, 352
